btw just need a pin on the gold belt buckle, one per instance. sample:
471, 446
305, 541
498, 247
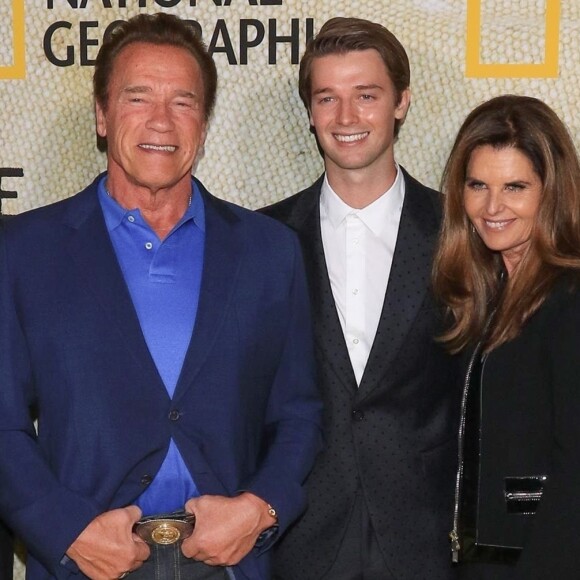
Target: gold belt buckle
165, 529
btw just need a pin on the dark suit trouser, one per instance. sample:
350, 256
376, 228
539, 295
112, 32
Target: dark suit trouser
359, 556
6, 553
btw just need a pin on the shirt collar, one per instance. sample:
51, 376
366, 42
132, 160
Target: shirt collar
376, 216
115, 213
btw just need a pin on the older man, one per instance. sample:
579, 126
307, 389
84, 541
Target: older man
163, 336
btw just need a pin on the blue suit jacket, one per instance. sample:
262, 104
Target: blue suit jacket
71, 347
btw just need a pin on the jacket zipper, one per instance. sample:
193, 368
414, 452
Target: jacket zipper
454, 534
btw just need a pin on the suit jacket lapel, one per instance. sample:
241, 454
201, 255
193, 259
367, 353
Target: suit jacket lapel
94, 258
329, 337
222, 262
408, 281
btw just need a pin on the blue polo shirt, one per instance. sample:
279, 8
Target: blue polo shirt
164, 279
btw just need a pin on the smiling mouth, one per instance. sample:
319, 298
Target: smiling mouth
497, 225
163, 148
351, 138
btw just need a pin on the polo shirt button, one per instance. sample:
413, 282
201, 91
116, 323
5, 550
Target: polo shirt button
358, 415
146, 479
174, 415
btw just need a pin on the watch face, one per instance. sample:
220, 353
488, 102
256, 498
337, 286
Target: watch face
165, 529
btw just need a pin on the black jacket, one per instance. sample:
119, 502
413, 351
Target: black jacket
519, 496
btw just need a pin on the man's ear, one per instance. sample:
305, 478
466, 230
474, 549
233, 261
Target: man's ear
204, 134
100, 121
312, 129
403, 105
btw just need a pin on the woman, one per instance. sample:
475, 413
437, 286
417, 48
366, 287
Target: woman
508, 271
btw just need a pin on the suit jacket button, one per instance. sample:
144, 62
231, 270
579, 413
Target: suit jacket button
174, 415
146, 479
358, 415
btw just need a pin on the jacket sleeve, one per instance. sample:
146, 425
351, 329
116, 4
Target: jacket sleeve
293, 413
552, 548
43, 512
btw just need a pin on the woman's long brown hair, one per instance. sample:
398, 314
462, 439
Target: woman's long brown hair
466, 274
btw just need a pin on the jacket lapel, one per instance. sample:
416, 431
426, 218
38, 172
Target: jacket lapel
91, 244
222, 262
305, 219
408, 281
94, 258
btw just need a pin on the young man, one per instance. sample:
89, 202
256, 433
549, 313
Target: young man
163, 335
380, 495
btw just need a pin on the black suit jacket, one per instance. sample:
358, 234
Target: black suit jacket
393, 438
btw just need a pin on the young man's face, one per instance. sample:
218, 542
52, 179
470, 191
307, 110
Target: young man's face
353, 109
155, 117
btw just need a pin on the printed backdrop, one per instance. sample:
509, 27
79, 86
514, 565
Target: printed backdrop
259, 147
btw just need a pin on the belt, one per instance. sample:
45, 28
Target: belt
165, 529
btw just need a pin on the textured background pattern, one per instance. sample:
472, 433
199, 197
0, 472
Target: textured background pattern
259, 147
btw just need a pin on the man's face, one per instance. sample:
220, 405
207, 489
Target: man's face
353, 109
154, 121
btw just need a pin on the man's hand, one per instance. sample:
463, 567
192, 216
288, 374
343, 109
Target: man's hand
107, 547
226, 528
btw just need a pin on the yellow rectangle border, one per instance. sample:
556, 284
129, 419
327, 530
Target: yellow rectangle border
475, 68
17, 70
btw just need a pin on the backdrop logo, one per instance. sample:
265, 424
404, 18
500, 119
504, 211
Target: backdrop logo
17, 68
549, 68
66, 43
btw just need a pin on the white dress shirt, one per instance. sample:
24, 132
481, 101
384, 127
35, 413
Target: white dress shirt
358, 246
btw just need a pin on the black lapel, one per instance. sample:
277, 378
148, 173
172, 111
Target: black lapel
94, 258
305, 219
408, 280
222, 261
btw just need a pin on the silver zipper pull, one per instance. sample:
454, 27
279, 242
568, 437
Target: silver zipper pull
455, 547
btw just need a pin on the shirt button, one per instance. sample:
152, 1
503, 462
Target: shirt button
174, 415
355, 340
131, 218
358, 415
355, 291
146, 479
148, 245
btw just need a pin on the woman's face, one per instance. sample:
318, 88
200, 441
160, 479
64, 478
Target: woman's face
501, 196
